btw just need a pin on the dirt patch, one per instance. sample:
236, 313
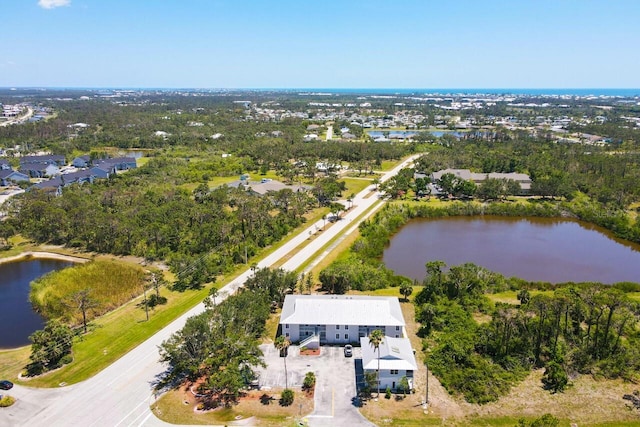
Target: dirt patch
310, 352
585, 401
255, 408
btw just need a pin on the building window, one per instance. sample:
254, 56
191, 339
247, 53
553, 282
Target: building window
346, 336
286, 326
397, 336
397, 328
337, 336
394, 372
337, 326
346, 326
286, 334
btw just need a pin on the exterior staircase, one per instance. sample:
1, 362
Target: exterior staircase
312, 341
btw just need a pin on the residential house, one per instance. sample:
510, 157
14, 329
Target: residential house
53, 186
99, 172
82, 161
265, 186
9, 177
39, 170
48, 159
116, 164
523, 179
313, 320
4, 165
396, 361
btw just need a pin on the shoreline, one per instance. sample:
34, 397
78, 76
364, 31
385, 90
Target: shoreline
43, 255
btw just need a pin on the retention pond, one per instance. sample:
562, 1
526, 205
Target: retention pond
535, 249
17, 318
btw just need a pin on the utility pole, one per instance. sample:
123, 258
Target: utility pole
146, 302
426, 401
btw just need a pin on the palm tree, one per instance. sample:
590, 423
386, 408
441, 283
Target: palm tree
282, 343
213, 293
376, 337
376, 182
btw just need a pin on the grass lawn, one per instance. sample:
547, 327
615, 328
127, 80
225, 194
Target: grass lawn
355, 185
511, 297
178, 407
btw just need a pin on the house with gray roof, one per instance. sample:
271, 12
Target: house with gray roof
522, 179
48, 159
82, 161
116, 164
396, 361
313, 320
4, 165
10, 177
39, 170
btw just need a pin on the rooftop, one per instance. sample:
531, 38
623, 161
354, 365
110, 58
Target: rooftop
395, 353
341, 310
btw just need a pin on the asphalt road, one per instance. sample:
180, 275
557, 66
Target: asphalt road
121, 394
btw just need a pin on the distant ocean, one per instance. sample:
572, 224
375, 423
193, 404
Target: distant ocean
619, 92
473, 91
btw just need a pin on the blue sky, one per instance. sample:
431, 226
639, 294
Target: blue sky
321, 44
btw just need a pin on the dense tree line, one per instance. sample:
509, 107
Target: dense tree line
220, 346
557, 170
201, 233
586, 328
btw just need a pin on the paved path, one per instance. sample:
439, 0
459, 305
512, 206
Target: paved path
121, 394
19, 119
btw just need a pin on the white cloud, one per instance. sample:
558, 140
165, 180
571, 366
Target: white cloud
50, 4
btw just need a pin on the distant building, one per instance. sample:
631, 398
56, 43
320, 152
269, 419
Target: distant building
49, 159
9, 177
39, 170
81, 161
116, 164
523, 179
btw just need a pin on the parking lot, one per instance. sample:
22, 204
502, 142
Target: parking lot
335, 392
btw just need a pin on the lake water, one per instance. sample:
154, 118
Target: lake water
17, 318
535, 249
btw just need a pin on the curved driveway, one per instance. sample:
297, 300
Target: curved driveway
121, 394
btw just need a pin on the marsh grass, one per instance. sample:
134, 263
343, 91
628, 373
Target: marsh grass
110, 284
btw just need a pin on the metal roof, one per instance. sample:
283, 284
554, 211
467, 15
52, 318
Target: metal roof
341, 310
395, 353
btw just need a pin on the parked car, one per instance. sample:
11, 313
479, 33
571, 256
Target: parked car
348, 350
6, 385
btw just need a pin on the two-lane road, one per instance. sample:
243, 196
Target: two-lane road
121, 394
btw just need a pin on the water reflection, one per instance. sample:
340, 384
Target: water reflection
17, 318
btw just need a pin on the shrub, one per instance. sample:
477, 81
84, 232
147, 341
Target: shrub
547, 420
7, 401
265, 399
309, 381
387, 393
286, 398
66, 359
555, 377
